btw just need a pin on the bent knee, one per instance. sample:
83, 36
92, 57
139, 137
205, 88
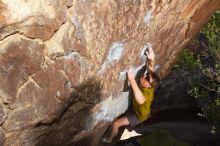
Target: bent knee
120, 122
116, 124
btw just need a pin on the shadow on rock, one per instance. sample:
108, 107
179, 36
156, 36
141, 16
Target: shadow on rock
75, 122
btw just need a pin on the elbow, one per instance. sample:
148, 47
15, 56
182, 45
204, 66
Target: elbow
142, 100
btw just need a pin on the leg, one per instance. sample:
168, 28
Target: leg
117, 124
114, 129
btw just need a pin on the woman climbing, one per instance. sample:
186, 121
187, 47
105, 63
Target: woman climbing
143, 96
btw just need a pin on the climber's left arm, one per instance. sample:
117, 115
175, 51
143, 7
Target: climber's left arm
150, 58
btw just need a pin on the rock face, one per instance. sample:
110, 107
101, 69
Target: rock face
62, 63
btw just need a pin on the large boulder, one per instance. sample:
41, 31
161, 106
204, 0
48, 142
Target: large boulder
62, 63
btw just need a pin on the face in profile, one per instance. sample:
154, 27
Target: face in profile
145, 81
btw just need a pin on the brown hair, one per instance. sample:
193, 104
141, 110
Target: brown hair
156, 79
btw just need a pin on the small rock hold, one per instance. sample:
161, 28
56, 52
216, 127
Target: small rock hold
3, 113
69, 3
58, 93
68, 84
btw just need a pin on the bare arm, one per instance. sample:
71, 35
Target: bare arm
151, 64
150, 58
136, 90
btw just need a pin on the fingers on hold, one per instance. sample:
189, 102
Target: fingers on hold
151, 50
147, 53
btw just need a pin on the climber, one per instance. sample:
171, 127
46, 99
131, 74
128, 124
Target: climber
143, 95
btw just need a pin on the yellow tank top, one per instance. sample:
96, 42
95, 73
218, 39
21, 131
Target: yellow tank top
142, 111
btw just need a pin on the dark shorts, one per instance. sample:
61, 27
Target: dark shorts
132, 118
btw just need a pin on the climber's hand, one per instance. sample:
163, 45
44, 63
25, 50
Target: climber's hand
149, 52
130, 74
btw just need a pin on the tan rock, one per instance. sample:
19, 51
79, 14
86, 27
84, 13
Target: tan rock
3, 113
19, 58
62, 41
50, 49
35, 19
2, 136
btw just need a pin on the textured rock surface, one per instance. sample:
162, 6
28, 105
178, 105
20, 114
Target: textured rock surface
62, 63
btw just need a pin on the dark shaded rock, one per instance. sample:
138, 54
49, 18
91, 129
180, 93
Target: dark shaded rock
173, 93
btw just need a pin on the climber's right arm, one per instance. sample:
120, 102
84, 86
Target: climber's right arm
136, 90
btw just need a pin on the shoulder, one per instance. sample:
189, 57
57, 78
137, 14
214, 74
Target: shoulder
147, 91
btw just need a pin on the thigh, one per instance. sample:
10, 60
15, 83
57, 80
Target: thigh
123, 121
133, 120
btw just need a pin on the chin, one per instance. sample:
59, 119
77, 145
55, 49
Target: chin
147, 86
